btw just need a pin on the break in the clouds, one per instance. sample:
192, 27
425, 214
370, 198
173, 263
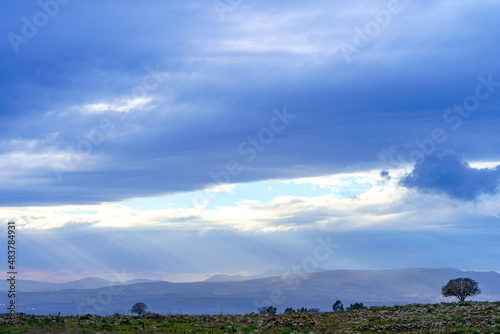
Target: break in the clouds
449, 174
370, 221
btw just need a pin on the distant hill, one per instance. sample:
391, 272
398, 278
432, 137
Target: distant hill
269, 273
322, 289
228, 278
141, 280
85, 283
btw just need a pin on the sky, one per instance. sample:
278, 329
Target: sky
176, 140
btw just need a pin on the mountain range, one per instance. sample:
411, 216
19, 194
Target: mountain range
85, 283
238, 295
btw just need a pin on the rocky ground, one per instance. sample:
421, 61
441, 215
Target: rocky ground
468, 317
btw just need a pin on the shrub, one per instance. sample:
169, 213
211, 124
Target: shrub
356, 306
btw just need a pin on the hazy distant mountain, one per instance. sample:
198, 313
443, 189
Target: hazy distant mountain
140, 280
85, 283
227, 278
269, 273
322, 289
26, 285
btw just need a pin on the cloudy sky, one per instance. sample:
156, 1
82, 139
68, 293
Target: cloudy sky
179, 139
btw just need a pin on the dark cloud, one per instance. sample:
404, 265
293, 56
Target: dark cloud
449, 174
385, 175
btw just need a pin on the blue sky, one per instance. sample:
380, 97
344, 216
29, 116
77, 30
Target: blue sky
180, 139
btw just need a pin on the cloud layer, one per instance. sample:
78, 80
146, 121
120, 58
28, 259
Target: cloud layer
151, 100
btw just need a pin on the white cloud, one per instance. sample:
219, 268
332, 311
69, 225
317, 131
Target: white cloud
227, 188
381, 206
484, 164
249, 202
122, 106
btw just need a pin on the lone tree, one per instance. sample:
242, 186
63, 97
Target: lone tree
139, 308
338, 307
461, 288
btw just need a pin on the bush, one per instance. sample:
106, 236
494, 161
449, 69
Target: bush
269, 310
356, 306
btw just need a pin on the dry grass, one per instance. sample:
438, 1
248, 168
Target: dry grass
469, 317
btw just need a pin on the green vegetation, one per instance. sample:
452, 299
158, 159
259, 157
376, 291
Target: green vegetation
267, 310
356, 306
470, 317
301, 310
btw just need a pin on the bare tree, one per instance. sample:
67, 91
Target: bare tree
139, 308
461, 288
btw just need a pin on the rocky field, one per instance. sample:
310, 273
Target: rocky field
468, 317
